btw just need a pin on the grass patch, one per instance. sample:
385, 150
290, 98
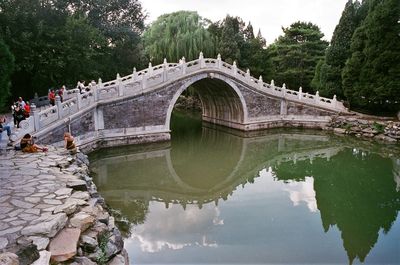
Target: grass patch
380, 128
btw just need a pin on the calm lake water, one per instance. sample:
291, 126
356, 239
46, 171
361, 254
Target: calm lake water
213, 196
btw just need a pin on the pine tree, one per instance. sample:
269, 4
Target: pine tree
328, 79
295, 55
371, 75
249, 32
232, 39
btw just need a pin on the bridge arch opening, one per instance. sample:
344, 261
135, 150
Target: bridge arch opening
221, 101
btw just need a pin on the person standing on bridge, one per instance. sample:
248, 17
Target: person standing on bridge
52, 97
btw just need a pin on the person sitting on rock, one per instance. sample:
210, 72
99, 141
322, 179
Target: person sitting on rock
5, 127
28, 146
69, 143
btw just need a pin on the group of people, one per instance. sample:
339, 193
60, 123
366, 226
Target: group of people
20, 111
27, 144
52, 95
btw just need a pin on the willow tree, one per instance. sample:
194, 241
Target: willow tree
178, 34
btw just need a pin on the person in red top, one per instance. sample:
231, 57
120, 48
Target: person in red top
52, 97
27, 109
61, 93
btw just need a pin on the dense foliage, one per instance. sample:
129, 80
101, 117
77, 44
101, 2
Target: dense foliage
176, 35
371, 76
328, 75
295, 55
59, 42
236, 42
62, 41
6, 68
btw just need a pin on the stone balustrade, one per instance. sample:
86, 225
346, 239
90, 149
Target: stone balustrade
153, 77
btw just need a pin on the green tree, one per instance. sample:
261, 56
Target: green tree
178, 34
236, 42
328, 77
295, 54
61, 41
231, 39
6, 68
371, 75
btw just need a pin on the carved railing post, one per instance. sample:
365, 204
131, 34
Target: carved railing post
134, 74
317, 98
201, 60
272, 83
260, 82
79, 100
334, 100
183, 65
59, 107
120, 86
150, 69
99, 86
300, 93
219, 61
234, 68
165, 70
284, 90
35, 114
248, 75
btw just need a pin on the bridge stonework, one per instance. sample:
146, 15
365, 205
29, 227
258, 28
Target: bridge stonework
137, 108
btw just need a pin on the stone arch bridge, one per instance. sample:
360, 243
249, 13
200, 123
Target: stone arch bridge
137, 108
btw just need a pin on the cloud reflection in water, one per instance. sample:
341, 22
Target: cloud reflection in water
175, 229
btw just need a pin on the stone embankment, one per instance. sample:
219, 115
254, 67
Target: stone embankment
382, 130
51, 213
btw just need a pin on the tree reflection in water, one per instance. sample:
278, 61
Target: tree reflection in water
355, 189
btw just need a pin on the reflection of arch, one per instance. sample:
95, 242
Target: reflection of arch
203, 76
239, 174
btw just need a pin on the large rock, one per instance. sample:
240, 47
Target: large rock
8, 258
83, 261
82, 221
115, 244
77, 185
40, 242
88, 243
63, 246
44, 258
339, 130
118, 260
385, 138
82, 195
49, 226
68, 207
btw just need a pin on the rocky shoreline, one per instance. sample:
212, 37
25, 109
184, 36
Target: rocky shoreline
381, 130
51, 213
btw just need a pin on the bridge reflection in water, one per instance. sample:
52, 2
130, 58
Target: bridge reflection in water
309, 190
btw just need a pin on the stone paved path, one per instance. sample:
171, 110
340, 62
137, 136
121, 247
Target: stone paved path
31, 187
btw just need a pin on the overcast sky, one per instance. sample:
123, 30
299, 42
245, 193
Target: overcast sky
267, 15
